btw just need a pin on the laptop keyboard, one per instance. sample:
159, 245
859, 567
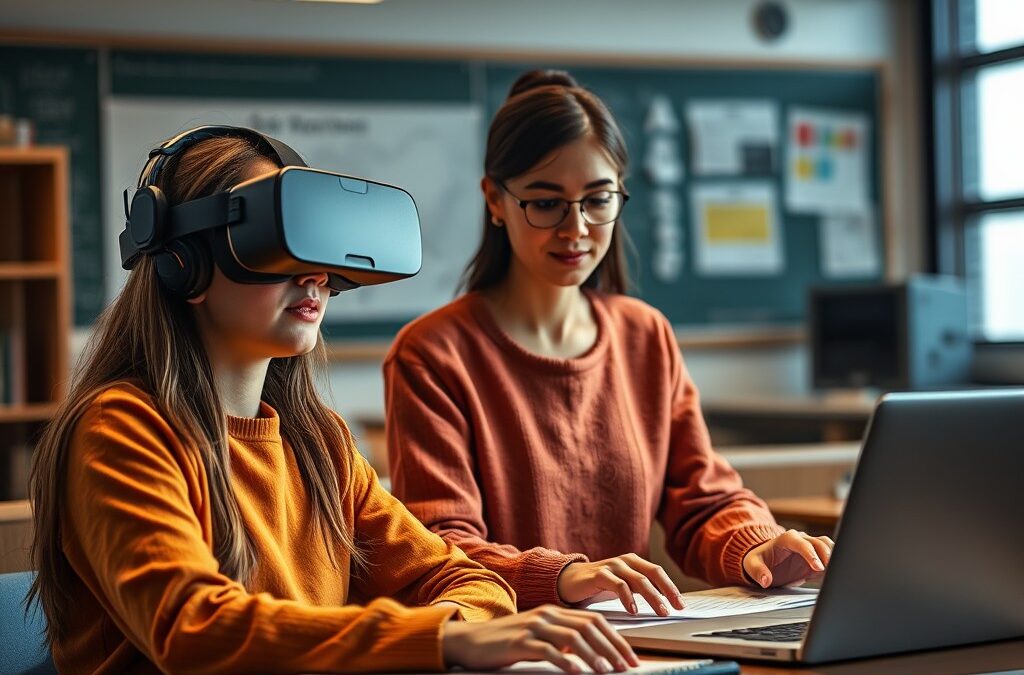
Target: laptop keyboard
780, 632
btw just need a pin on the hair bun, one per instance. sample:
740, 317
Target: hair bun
541, 78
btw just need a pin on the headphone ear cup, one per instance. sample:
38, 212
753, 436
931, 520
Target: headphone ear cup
185, 267
147, 218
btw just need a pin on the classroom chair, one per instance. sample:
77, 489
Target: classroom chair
22, 648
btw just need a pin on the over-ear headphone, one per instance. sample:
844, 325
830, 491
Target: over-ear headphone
185, 265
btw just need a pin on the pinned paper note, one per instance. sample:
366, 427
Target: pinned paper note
736, 229
849, 246
736, 138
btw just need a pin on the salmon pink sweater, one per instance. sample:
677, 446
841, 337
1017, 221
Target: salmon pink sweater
529, 463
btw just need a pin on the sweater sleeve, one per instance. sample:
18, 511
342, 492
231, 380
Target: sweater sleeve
711, 521
421, 568
134, 536
430, 454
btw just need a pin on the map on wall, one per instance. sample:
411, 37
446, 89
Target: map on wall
431, 150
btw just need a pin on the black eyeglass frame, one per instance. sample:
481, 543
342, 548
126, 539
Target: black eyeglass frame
523, 203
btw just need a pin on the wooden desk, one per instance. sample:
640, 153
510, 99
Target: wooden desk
15, 536
822, 512
833, 418
987, 658
792, 470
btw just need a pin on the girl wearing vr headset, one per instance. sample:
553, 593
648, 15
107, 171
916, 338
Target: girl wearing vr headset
544, 419
199, 508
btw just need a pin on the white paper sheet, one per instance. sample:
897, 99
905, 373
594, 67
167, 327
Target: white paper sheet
733, 137
848, 246
826, 161
736, 228
717, 602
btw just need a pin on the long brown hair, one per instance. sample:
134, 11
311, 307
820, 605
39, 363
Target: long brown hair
545, 110
149, 337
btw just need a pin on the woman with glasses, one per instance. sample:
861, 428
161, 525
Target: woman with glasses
542, 420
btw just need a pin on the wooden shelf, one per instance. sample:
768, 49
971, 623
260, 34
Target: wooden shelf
15, 271
35, 302
37, 412
35, 154
15, 511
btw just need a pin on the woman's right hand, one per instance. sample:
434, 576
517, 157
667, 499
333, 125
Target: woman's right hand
542, 634
619, 577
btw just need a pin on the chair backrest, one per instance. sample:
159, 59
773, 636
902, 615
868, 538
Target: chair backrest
22, 647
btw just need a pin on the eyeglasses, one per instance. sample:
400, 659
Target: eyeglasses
597, 208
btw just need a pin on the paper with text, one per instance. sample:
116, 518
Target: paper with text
717, 602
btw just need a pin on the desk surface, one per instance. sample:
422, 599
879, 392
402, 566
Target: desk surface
988, 658
828, 407
817, 510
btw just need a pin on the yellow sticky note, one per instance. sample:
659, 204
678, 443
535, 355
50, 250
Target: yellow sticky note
731, 223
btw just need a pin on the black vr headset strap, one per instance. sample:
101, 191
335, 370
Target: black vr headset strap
172, 146
188, 218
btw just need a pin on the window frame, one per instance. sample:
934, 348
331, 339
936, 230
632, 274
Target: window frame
950, 60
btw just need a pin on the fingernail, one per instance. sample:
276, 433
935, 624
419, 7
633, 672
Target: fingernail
764, 581
679, 598
632, 608
604, 666
622, 664
817, 565
662, 609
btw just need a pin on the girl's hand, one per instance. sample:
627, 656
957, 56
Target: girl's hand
543, 634
619, 577
788, 558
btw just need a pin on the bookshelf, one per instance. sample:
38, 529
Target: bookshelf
35, 303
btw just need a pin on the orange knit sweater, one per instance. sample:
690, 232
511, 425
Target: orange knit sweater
529, 463
148, 593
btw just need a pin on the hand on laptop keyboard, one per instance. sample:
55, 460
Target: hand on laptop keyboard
788, 558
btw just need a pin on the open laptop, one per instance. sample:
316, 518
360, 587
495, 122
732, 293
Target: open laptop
929, 551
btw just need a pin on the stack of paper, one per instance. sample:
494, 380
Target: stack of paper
717, 602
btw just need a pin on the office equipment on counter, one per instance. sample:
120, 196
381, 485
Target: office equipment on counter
909, 335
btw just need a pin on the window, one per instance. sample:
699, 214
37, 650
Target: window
978, 122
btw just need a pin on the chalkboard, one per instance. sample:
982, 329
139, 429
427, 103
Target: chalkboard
58, 89
692, 299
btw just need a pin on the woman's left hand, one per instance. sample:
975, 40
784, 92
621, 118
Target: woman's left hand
788, 558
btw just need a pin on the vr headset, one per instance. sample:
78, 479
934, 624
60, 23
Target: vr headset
293, 221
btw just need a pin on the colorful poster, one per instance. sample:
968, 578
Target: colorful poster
827, 161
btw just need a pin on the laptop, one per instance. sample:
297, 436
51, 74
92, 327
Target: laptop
929, 551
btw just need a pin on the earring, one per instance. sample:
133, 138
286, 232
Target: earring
497, 222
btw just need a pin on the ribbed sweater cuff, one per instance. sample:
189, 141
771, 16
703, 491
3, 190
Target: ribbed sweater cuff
538, 577
740, 543
416, 639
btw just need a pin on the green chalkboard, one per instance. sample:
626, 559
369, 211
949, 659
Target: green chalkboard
699, 300
58, 89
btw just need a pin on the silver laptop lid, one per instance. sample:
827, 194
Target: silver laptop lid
930, 548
